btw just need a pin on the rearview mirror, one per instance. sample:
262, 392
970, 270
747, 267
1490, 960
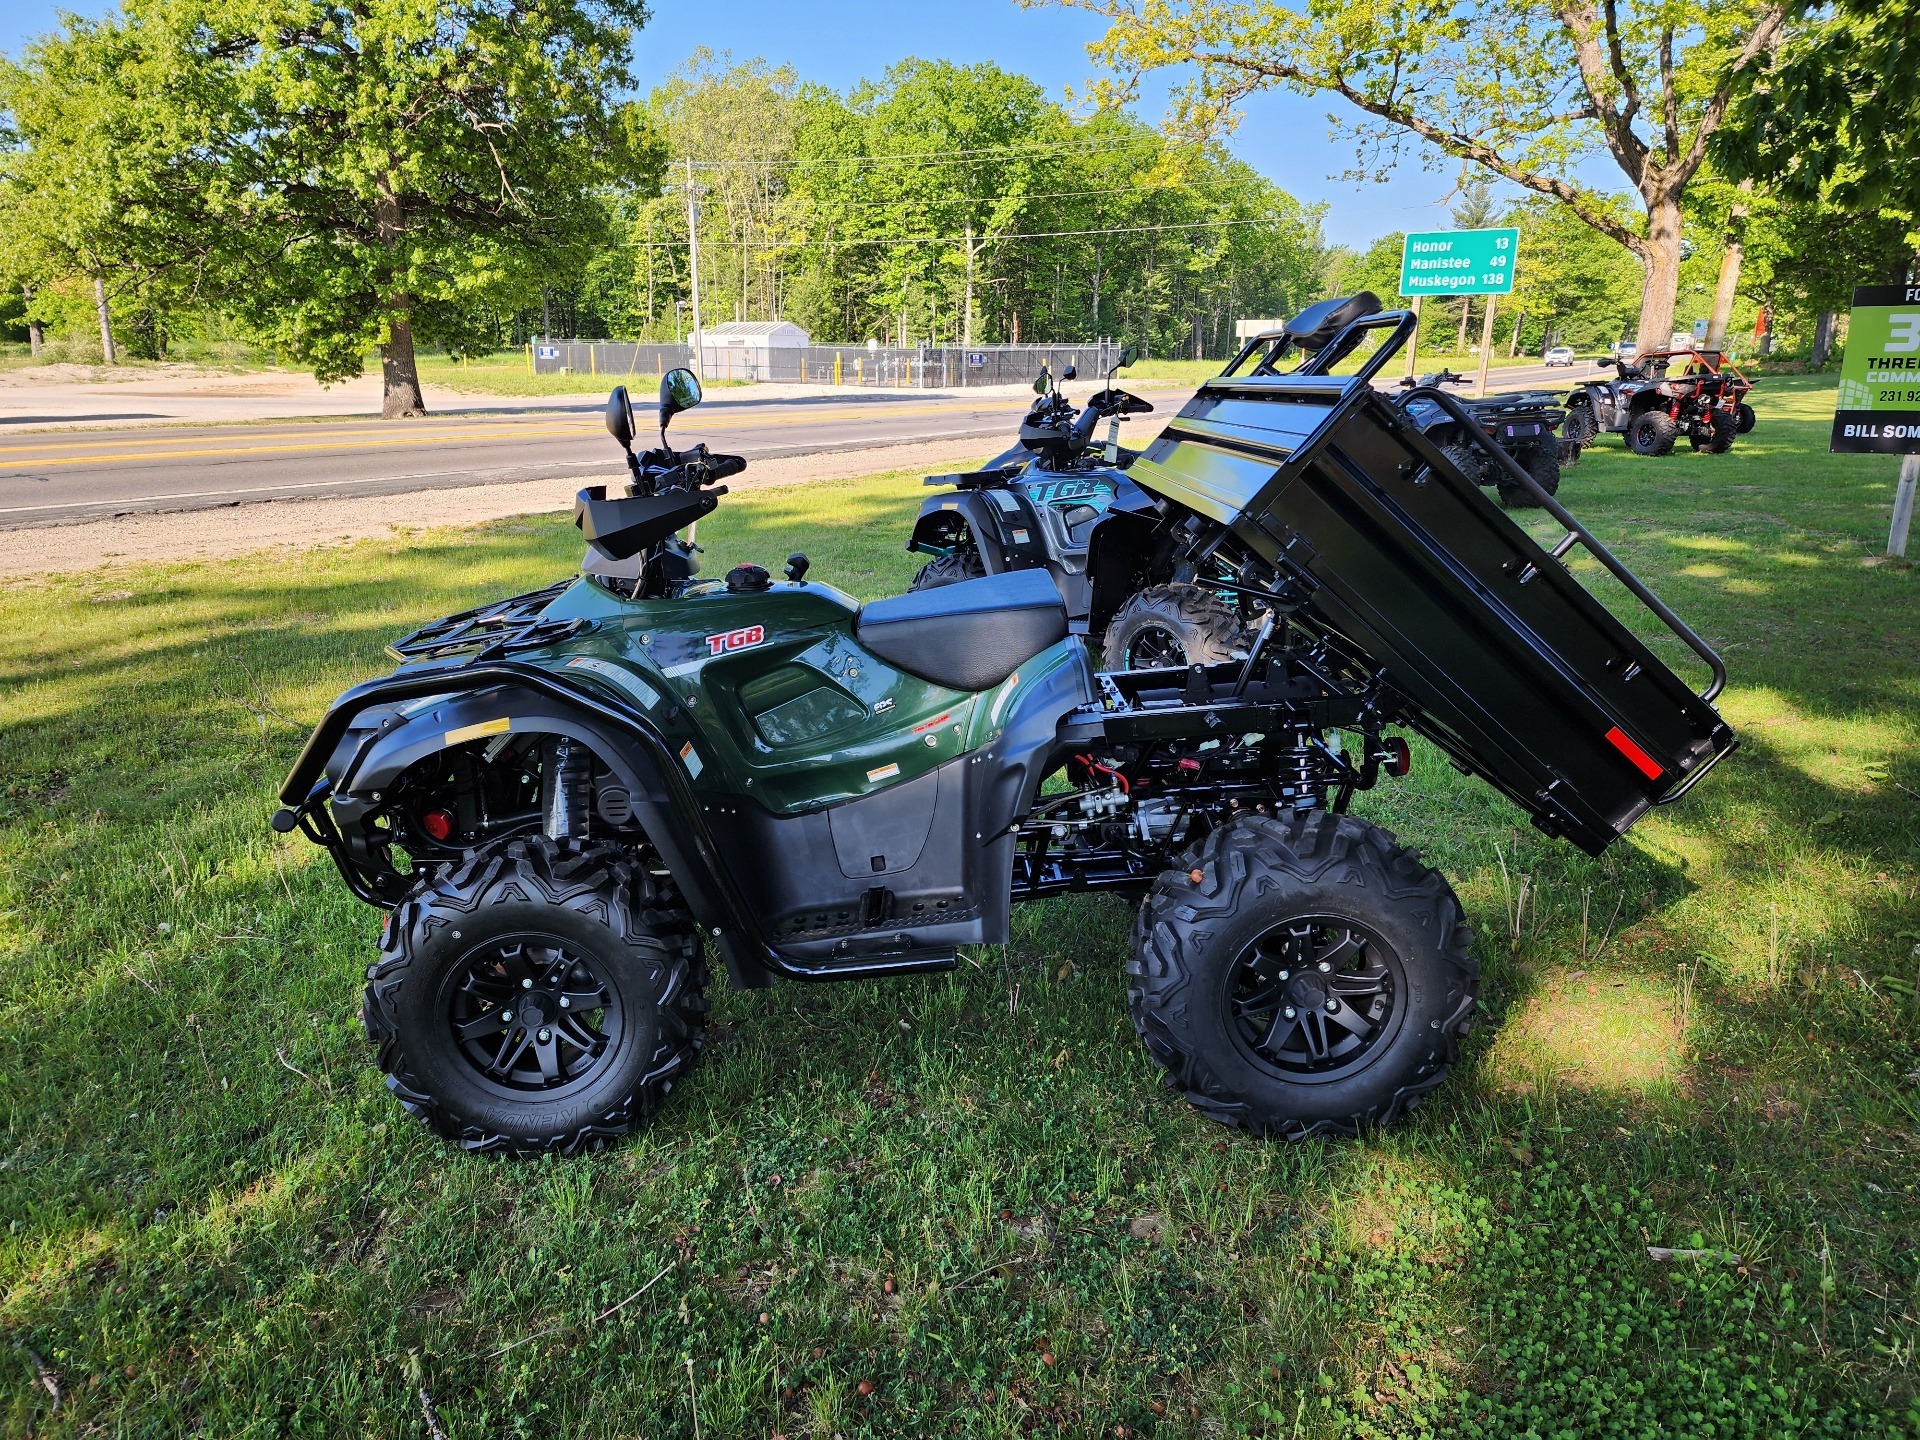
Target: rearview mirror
620, 417
1128, 356
1069, 373
1043, 382
679, 390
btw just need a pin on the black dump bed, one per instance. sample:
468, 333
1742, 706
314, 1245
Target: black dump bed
1497, 653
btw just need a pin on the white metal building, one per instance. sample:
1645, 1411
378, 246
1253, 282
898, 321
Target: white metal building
741, 349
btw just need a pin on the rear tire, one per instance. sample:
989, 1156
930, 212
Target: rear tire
949, 569
1746, 417
1652, 434
539, 996
1371, 1033
1725, 427
1544, 467
1166, 625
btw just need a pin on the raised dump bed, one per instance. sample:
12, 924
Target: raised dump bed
1494, 650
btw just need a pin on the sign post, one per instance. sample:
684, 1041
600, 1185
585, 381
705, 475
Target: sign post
1460, 262
1878, 409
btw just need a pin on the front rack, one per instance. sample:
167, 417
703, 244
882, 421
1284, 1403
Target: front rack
490, 631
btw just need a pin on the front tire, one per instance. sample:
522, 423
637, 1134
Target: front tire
539, 996
1316, 914
1746, 417
1580, 425
1171, 625
1652, 434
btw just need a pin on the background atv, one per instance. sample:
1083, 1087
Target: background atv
1522, 424
1034, 506
1653, 401
567, 798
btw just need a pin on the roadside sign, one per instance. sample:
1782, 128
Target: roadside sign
976, 359
1700, 329
1459, 262
549, 352
1878, 411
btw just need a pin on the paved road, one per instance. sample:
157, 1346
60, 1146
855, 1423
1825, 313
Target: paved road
64, 476
55, 477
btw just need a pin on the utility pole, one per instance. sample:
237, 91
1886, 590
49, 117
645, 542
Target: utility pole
693, 261
967, 326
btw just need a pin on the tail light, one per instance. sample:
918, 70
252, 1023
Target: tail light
1396, 755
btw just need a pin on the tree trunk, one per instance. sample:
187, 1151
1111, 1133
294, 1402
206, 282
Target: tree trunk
36, 333
106, 319
1660, 267
1823, 338
401, 398
1729, 286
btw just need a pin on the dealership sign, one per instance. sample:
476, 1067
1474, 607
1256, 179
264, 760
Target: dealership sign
1879, 404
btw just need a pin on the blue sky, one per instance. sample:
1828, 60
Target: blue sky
840, 42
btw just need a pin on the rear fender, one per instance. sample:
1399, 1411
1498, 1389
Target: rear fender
999, 521
1120, 560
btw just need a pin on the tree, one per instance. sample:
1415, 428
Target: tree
364, 170
1831, 119
104, 152
1525, 90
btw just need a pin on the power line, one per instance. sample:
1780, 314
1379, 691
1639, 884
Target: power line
958, 239
1052, 147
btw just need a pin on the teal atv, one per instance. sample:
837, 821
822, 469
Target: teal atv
570, 800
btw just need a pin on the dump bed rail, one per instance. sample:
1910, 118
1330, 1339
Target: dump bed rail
1494, 649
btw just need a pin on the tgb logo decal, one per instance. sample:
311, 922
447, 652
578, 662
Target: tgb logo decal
736, 640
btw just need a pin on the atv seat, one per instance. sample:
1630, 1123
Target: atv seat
967, 636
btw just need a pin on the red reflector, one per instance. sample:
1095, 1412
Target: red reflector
437, 823
1399, 756
1642, 761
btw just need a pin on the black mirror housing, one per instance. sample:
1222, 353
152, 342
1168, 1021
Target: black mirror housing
679, 390
1070, 373
620, 416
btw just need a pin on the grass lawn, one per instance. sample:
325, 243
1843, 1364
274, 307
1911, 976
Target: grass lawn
963, 1204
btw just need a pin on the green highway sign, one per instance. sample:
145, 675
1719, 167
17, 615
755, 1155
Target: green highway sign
1879, 404
1459, 262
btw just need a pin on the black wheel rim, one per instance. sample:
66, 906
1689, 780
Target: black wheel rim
531, 1014
1315, 998
1154, 648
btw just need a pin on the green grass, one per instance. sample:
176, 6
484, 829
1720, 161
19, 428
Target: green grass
216, 1222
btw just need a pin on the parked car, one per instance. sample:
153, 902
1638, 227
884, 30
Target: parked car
1559, 355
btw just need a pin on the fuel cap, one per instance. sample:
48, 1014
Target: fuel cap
748, 578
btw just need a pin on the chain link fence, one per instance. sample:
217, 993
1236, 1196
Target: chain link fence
925, 367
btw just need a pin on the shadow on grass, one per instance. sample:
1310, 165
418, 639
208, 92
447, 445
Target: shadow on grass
218, 1219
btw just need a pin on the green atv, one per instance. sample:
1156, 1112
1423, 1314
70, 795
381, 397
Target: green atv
568, 800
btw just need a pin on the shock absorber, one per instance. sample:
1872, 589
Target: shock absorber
570, 790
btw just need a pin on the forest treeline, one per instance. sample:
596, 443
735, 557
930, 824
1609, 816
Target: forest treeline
324, 181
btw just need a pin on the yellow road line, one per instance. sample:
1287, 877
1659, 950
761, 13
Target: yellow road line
485, 431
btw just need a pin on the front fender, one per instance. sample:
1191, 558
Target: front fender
346, 763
